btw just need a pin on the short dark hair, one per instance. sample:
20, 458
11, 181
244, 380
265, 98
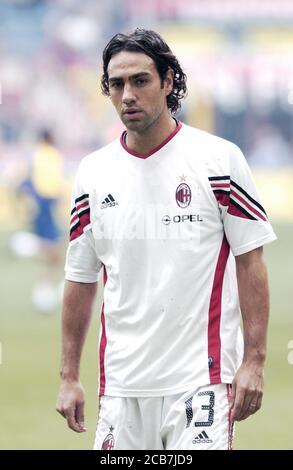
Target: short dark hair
150, 43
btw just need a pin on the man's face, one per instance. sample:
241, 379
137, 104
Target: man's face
136, 89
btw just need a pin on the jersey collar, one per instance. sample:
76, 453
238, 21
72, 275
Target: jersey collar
156, 149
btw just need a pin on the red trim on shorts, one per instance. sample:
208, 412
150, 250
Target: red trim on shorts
230, 424
215, 311
103, 344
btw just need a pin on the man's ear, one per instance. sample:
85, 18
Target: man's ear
169, 80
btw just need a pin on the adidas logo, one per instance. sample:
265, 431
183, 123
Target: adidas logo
202, 438
109, 201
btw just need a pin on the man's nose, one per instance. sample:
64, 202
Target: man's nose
128, 95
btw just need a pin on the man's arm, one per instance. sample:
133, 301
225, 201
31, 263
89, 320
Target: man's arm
247, 387
76, 315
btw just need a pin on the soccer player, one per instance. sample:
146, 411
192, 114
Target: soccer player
172, 216
44, 186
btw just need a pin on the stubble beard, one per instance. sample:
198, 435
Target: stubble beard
141, 125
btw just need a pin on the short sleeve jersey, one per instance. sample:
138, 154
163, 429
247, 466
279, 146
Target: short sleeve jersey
166, 228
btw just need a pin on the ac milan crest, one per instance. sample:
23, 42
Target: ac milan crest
109, 441
183, 195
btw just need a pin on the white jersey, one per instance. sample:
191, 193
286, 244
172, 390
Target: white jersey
166, 227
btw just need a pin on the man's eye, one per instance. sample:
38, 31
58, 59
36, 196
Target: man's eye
115, 85
140, 81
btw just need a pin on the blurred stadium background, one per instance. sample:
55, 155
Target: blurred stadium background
238, 58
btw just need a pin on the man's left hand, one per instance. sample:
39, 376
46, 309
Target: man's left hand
247, 391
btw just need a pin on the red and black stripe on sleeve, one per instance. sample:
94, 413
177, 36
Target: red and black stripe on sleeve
80, 216
239, 202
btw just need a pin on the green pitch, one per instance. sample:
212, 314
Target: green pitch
31, 351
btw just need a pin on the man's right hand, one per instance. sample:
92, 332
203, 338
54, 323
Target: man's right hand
70, 404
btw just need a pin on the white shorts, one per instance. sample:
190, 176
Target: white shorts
196, 420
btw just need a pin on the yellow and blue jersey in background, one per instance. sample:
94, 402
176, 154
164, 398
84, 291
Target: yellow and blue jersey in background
45, 185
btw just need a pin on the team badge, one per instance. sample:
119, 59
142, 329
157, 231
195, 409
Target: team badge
109, 441
183, 195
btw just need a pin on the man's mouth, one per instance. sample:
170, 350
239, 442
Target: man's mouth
132, 112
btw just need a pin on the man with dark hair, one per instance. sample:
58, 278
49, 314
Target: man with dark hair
151, 44
172, 215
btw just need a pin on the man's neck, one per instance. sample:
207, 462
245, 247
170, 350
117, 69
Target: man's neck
152, 137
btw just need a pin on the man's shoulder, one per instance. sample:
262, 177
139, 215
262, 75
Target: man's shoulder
210, 141
100, 154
